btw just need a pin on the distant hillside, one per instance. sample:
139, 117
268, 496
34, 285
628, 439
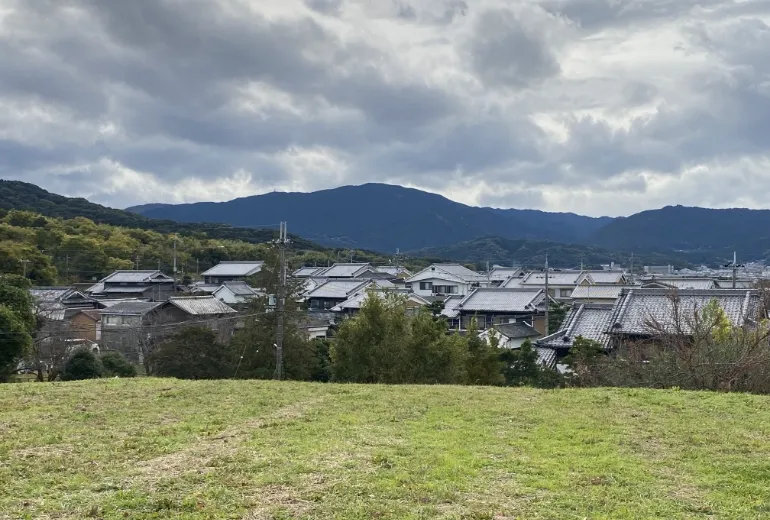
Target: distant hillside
699, 232
25, 196
380, 217
532, 253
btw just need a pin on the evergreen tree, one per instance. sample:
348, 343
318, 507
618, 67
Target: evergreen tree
521, 365
82, 365
483, 365
193, 353
17, 322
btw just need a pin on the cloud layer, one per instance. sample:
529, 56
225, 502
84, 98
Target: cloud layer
592, 106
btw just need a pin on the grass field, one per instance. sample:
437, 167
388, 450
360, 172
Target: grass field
152, 448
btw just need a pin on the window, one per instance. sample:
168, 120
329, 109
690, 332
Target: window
445, 289
426, 286
565, 293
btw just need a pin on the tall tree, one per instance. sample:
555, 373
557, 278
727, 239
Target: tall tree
483, 365
193, 353
17, 322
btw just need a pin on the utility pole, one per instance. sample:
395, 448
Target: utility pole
197, 266
137, 261
67, 266
24, 263
281, 303
174, 289
632, 268
547, 296
735, 267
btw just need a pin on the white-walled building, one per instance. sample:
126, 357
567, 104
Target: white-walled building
446, 280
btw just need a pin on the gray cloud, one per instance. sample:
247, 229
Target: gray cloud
553, 104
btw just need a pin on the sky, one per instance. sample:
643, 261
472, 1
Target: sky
600, 107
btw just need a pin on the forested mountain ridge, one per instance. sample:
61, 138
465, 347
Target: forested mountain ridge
381, 217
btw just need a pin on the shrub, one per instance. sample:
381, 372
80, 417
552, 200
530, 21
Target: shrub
116, 365
193, 353
82, 365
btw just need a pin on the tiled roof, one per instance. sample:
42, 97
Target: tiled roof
305, 272
637, 309
604, 292
587, 320
51, 294
337, 288
357, 299
512, 283
685, 283
95, 288
94, 314
136, 277
246, 268
201, 305
125, 289
500, 274
554, 278
393, 270
344, 270
240, 288
451, 304
607, 276
502, 300
516, 330
739, 284
452, 272
132, 307
206, 288
546, 356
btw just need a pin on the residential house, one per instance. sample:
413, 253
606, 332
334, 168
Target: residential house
55, 306
203, 289
146, 285
510, 335
561, 284
451, 311
602, 294
316, 325
232, 271
646, 314
353, 304
87, 324
493, 306
673, 282
133, 327
499, 275
609, 277
394, 271
333, 292
236, 293
587, 320
446, 280
346, 270
307, 272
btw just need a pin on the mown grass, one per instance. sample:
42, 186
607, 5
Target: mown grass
153, 448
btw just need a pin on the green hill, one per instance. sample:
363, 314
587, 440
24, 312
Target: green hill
163, 448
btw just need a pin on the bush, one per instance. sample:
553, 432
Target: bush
116, 365
82, 365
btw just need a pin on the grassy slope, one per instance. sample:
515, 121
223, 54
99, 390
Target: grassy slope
167, 449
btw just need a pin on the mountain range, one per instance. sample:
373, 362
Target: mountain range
385, 217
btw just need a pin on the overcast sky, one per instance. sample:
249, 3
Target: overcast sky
592, 106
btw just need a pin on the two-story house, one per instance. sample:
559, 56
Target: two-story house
147, 285
561, 284
493, 306
446, 280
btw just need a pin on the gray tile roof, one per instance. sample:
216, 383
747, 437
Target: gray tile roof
392, 270
136, 277
684, 283
240, 288
739, 284
131, 307
341, 270
340, 289
356, 300
500, 274
587, 320
305, 272
607, 276
604, 292
51, 294
502, 300
244, 268
451, 304
454, 272
554, 278
130, 289
201, 305
546, 356
516, 330
206, 288
637, 309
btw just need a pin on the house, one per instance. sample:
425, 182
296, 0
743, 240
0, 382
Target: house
499, 274
493, 306
333, 292
130, 327
87, 324
353, 304
609, 277
659, 282
307, 272
603, 294
446, 280
451, 311
232, 271
316, 325
236, 293
147, 285
645, 314
346, 270
587, 320
67, 297
203, 289
561, 284
510, 335
394, 271
133, 327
